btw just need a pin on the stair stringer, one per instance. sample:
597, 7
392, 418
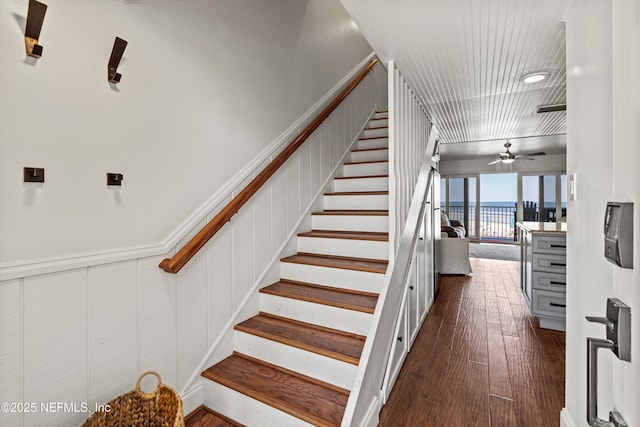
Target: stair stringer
223, 344
364, 412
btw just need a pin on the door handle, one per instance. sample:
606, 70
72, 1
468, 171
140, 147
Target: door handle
618, 323
593, 345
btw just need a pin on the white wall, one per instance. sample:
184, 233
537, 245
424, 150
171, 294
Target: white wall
603, 113
206, 86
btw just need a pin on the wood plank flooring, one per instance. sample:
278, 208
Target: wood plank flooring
480, 359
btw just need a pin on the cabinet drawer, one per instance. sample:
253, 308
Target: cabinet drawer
555, 282
550, 263
550, 304
550, 244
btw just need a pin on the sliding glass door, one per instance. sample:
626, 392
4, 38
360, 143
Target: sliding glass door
543, 198
498, 197
459, 201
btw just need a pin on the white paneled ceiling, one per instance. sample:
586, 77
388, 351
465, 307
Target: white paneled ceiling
464, 59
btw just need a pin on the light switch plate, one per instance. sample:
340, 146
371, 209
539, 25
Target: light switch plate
573, 193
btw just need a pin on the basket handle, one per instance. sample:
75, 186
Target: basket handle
154, 392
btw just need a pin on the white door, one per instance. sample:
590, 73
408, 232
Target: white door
603, 153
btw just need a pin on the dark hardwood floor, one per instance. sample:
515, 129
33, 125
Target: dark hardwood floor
480, 359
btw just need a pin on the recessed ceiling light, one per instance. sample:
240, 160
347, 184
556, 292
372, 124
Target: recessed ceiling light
535, 77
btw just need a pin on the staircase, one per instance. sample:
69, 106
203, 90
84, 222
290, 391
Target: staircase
295, 362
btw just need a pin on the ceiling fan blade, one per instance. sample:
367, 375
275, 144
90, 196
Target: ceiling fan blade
539, 153
524, 158
496, 161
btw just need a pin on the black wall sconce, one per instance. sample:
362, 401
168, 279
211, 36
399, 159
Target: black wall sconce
35, 18
114, 178
33, 174
116, 55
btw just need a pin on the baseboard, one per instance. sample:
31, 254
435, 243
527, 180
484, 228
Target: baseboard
34, 267
193, 399
565, 419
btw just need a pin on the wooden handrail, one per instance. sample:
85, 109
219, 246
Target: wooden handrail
175, 263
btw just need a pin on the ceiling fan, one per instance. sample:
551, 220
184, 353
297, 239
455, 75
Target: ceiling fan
508, 157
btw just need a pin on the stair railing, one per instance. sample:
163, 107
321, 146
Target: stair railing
376, 352
191, 248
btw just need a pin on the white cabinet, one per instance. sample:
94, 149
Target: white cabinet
418, 295
399, 350
543, 274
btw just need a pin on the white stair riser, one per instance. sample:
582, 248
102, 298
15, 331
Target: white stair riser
384, 114
374, 223
369, 156
356, 322
370, 144
244, 409
344, 247
361, 184
378, 122
365, 169
374, 132
323, 368
356, 202
336, 277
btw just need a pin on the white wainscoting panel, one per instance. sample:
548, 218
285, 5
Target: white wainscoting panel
220, 282
113, 329
409, 130
10, 354
192, 317
158, 314
55, 344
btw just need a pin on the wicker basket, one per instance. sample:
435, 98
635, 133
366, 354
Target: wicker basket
160, 408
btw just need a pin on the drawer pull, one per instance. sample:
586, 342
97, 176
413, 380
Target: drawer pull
557, 246
554, 304
553, 282
558, 264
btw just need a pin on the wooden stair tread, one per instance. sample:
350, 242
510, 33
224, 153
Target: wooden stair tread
362, 177
205, 417
378, 127
369, 149
363, 163
346, 263
328, 342
372, 137
358, 193
343, 298
350, 235
303, 397
353, 212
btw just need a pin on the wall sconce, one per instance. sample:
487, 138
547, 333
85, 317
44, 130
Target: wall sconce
33, 174
114, 178
116, 55
35, 18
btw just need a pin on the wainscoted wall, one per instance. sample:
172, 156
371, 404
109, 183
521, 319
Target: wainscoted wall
84, 334
409, 131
